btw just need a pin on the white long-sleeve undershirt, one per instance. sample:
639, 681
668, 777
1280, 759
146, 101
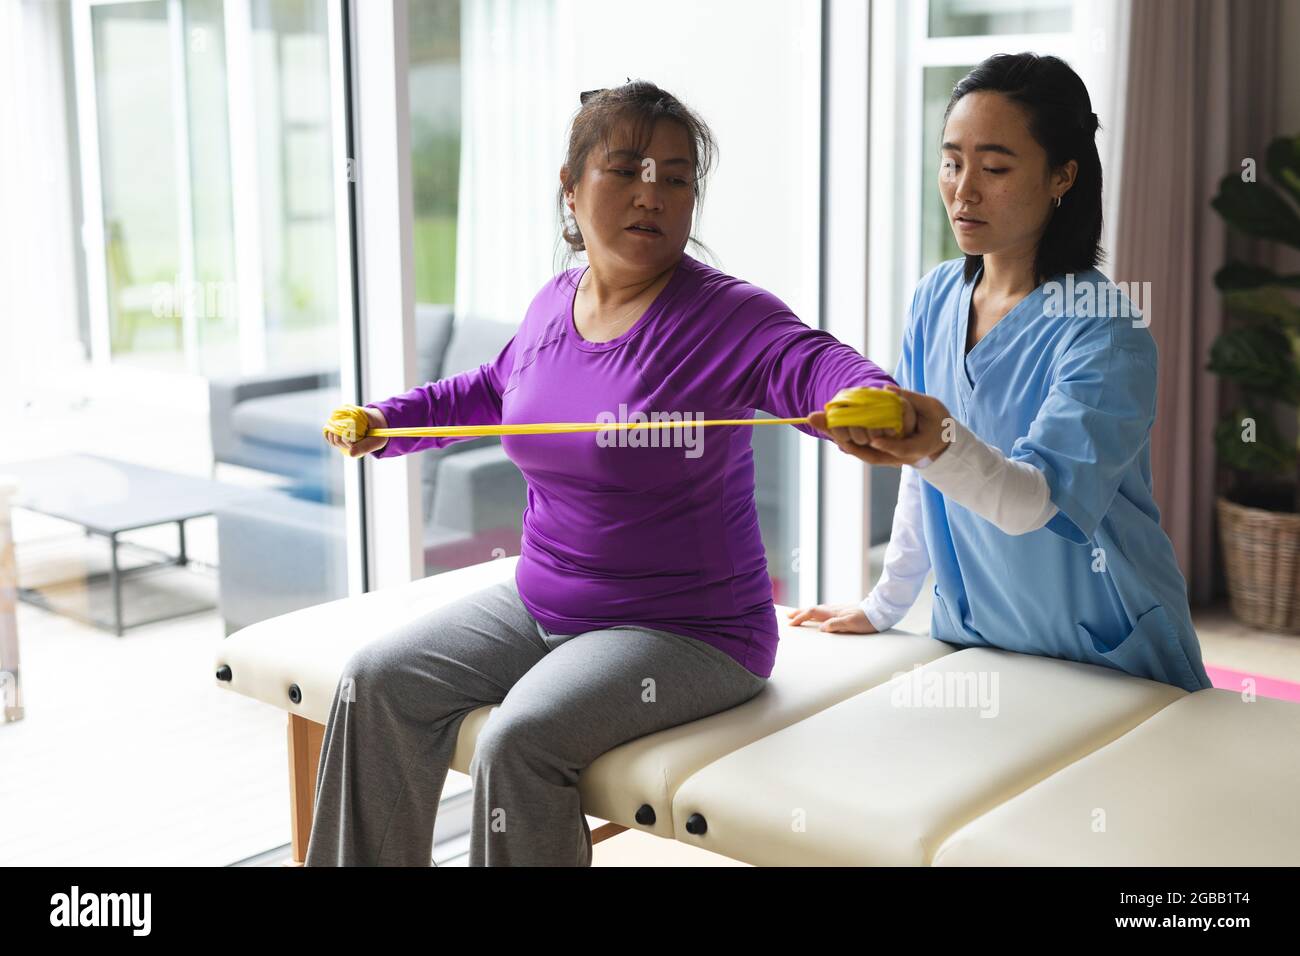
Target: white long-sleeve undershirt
1012, 495
907, 561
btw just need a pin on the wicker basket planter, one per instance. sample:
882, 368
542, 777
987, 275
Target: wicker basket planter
1261, 554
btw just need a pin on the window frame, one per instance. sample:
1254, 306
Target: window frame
901, 51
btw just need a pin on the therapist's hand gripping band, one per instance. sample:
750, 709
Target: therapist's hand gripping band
851, 407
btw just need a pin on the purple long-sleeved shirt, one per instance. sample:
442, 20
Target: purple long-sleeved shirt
664, 535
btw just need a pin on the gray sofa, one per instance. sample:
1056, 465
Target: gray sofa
473, 496
272, 422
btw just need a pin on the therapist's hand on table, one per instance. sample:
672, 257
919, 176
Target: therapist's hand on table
365, 446
837, 618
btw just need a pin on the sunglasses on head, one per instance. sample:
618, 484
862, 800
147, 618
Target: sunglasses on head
588, 94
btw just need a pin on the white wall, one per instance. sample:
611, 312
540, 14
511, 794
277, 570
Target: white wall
750, 68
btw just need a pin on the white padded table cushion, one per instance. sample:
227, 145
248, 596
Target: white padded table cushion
814, 670
309, 647
870, 781
1210, 780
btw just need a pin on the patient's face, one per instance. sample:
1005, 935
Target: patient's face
1009, 188
627, 186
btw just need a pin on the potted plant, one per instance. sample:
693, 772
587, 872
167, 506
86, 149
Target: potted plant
1259, 516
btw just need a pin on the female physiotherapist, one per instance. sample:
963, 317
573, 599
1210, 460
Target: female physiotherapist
1029, 486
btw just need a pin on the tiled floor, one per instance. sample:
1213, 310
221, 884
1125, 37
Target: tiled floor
1226, 642
128, 754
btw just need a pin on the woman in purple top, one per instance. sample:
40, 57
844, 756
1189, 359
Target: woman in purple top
642, 563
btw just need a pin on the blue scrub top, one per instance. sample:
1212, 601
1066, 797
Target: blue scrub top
1067, 382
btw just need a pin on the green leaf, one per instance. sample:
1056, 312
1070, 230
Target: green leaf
1257, 209
1283, 164
1267, 454
1257, 357
1268, 301
1243, 275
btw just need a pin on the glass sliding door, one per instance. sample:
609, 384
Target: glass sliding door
295, 179
135, 85
216, 309
174, 485
183, 138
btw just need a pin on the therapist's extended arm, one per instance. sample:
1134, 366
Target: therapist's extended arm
1013, 495
907, 561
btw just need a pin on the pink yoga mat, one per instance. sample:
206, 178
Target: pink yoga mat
1264, 686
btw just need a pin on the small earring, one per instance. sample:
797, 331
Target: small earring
1058, 202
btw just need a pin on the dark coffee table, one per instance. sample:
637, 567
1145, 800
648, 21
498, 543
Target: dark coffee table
108, 498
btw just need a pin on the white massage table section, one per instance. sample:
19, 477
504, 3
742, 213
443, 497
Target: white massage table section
1210, 780
302, 653
871, 781
814, 670
294, 662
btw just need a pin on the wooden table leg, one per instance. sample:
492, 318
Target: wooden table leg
605, 831
305, 740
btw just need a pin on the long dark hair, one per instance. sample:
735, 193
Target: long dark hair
1061, 120
642, 104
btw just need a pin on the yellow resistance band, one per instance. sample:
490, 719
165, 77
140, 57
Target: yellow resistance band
851, 407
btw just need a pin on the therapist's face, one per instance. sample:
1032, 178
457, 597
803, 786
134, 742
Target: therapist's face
995, 179
635, 216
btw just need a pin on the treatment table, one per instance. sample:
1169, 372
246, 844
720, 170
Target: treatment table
848, 758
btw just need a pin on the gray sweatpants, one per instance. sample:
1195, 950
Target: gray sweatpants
563, 701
